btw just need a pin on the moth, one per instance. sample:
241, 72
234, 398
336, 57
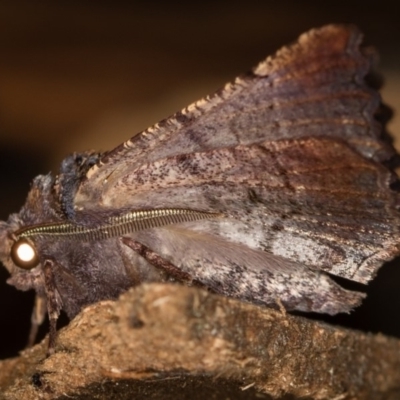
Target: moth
263, 191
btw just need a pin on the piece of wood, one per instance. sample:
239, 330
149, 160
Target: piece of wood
173, 342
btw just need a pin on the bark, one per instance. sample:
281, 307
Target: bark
174, 342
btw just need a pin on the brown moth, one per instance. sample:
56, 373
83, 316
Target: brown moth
259, 192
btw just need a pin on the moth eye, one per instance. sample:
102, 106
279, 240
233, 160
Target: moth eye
24, 255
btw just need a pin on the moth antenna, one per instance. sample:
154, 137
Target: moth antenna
132, 221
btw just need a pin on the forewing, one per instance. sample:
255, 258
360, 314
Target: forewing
290, 155
314, 201
314, 87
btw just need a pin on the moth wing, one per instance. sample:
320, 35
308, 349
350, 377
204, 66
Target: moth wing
289, 154
254, 275
314, 87
313, 201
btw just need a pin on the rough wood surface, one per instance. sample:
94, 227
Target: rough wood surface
173, 342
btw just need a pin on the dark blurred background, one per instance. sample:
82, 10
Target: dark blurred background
78, 75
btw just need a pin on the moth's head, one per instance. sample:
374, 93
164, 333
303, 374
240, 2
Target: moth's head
7, 243
21, 263
19, 254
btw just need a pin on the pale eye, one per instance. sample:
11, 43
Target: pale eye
23, 254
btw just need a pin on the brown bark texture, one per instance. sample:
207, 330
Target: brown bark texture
173, 342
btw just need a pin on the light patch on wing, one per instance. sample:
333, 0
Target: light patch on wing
232, 230
344, 263
235, 270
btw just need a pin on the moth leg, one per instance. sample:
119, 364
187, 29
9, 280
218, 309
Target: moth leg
159, 262
53, 305
37, 318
